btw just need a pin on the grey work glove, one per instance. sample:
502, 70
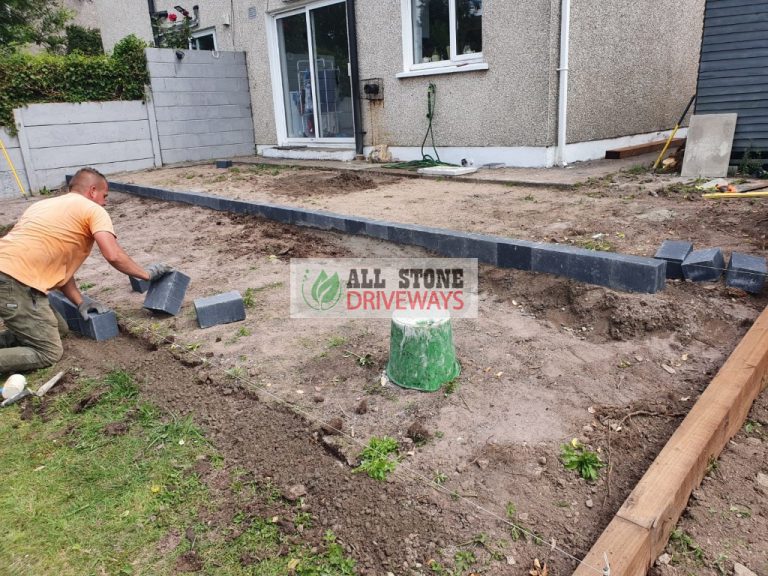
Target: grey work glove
90, 305
158, 271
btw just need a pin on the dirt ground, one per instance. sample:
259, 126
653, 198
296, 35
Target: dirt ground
547, 360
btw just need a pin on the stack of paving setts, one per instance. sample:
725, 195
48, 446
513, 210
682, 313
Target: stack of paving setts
167, 294
683, 262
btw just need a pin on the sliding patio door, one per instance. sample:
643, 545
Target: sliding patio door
313, 48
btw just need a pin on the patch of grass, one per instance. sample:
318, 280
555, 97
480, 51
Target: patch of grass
364, 360
235, 373
637, 169
336, 341
576, 456
529, 198
439, 478
269, 169
234, 170
514, 530
249, 298
450, 387
712, 466
378, 459
753, 427
683, 544
598, 244
85, 286
241, 332
77, 501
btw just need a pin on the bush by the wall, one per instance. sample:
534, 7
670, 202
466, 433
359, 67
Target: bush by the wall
28, 79
85, 41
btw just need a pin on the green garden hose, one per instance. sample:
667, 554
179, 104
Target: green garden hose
426, 160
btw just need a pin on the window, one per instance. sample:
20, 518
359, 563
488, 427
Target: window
442, 35
203, 39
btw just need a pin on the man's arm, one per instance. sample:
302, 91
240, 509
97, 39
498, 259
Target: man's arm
117, 257
70, 290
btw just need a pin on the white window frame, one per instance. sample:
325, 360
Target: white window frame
457, 62
205, 32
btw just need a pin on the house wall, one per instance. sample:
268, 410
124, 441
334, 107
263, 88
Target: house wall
732, 74
201, 103
60, 138
119, 19
85, 13
632, 71
632, 65
506, 105
8, 186
213, 14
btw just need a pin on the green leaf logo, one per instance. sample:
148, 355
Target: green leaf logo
325, 292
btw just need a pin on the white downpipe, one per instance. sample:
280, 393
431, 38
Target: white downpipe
562, 103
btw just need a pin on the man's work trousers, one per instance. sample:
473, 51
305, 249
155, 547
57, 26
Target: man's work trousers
32, 338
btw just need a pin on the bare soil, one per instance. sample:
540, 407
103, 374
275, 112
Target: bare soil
547, 360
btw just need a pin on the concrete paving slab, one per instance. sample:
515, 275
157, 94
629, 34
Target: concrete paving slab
708, 150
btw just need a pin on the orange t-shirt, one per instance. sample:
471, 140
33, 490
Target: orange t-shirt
51, 240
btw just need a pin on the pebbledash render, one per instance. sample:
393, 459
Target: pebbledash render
503, 89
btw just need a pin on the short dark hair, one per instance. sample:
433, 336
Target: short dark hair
84, 174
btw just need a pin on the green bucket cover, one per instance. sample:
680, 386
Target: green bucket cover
421, 353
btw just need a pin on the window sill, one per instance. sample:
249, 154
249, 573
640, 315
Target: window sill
450, 69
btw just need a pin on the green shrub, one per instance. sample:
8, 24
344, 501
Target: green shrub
28, 79
85, 41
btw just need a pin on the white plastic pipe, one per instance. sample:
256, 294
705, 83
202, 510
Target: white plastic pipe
562, 103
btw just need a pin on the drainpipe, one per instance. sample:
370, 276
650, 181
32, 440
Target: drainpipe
354, 77
151, 6
562, 104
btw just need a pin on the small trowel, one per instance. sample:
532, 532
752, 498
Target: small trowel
27, 392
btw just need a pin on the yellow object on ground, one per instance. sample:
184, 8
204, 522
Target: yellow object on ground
718, 195
13, 169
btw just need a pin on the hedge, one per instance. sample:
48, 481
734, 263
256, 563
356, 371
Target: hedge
28, 79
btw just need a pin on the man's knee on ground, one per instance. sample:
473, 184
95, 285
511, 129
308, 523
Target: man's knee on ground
51, 353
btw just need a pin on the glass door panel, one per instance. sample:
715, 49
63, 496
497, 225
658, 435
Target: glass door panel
297, 85
314, 61
332, 82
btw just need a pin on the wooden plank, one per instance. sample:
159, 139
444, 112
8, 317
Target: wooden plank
619, 153
658, 500
627, 546
735, 195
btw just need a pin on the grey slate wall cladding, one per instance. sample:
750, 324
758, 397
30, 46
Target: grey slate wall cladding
732, 69
617, 271
202, 104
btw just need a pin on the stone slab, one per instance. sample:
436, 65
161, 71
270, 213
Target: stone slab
746, 272
447, 170
167, 293
139, 286
98, 327
220, 309
704, 265
708, 149
674, 252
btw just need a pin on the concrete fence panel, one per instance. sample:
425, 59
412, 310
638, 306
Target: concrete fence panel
202, 104
57, 139
9, 188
